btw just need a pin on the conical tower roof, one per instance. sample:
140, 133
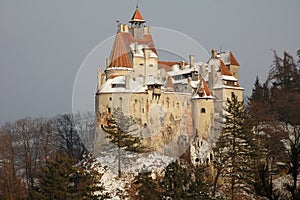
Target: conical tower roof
137, 17
119, 55
203, 90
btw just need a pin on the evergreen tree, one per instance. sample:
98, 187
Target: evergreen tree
284, 73
175, 182
182, 181
257, 92
62, 179
236, 150
258, 102
147, 188
284, 79
120, 131
199, 187
293, 160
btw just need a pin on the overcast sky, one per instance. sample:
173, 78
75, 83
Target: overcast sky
43, 43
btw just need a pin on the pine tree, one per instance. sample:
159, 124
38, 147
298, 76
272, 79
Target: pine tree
147, 188
175, 182
199, 187
284, 79
184, 181
258, 102
257, 92
120, 132
235, 149
62, 179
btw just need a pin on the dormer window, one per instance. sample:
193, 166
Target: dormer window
118, 85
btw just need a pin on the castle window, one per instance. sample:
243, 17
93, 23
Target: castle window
118, 85
151, 65
108, 110
141, 64
203, 110
110, 98
120, 98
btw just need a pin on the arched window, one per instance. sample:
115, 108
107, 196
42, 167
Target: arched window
202, 110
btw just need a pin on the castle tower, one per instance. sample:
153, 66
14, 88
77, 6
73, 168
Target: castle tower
203, 112
223, 82
133, 50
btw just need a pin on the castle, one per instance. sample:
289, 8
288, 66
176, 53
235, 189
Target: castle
177, 105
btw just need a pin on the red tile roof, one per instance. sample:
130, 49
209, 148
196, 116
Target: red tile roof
137, 17
169, 83
233, 61
147, 39
167, 65
224, 69
121, 54
203, 89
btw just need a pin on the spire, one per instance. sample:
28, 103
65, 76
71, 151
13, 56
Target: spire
137, 17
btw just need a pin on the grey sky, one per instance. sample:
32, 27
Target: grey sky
43, 43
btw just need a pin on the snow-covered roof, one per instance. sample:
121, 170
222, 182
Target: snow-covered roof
151, 80
195, 84
136, 85
202, 91
181, 81
229, 78
138, 51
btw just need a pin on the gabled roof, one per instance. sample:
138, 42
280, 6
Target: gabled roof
137, 17
224, 70
203, 89
233, 61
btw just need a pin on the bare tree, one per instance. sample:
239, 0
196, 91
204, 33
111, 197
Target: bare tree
68, 140
11, 186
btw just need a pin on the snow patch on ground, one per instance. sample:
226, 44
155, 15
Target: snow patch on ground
131, 165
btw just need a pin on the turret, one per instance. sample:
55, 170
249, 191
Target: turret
203, 111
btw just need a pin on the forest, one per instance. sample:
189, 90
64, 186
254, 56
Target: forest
257, 155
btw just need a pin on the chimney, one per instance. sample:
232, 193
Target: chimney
214, 54
192, 60
107, 62
202, 71
99, 79
127, 82
211, 78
